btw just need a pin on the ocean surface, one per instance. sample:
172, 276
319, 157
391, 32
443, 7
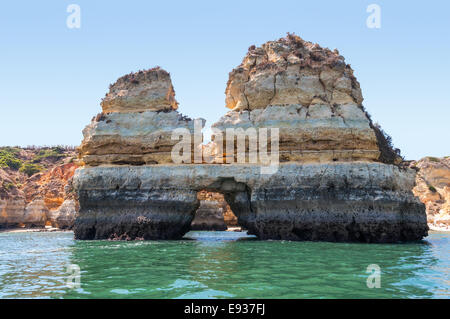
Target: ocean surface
219, 265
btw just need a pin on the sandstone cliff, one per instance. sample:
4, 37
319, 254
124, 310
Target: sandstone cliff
35, 187
337, 180
312, 96
433, 189
149, 90
366, 202
136, 125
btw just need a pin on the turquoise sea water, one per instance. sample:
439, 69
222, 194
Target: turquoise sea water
220, 265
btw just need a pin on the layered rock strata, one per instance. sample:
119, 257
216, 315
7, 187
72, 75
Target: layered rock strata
336, 182
12, 214
311, 95
149, 90
365, 202
433, 189
43, 199
12, 201
136, 125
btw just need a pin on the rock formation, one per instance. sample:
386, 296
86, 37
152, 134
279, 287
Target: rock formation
64, 216
311, 95
433, 189
337, 180
370, 202
150, 90
213, 213
136, 125
43, 199
12, 201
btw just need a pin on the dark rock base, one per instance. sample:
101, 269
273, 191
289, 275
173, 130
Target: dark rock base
342, 202
132, 215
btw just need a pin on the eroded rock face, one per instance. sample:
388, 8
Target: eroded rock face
317, 137
64, 216
132, 138
366, 202
12, 201
291, 71
11, 212
209, 217
35, 214
311, 95
213, 213
149, 90
336, 183
433, 189
49, 186
136, 125
37, 200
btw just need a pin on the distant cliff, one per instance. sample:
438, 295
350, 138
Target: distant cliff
433, 189
214, 213
35, 187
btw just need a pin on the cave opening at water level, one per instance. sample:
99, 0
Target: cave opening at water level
214, 214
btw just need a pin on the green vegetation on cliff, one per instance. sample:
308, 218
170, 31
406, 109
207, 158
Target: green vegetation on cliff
32, 159
9, 158
30, 169
49, 153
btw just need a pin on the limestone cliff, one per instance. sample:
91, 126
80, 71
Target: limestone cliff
136, 125
149, 90
367, 202
336, 182
311, 95
35, 187
433, 189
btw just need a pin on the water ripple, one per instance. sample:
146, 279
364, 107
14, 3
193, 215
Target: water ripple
220, 265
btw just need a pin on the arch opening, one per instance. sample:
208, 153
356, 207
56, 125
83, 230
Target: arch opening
226, 201
214, 213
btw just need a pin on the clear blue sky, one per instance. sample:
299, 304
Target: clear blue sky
52, 78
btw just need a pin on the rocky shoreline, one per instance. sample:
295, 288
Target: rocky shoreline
34, 230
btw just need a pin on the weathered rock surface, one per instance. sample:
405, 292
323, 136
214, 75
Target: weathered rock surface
307, 139
149, 90
50, 185
209, 217
64, 216
12, 200
291, 71
12, 212
137, 122
367, 202
433, 189
213, 213
311, 95
45, 198
337, 182
35, 214
132, 138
